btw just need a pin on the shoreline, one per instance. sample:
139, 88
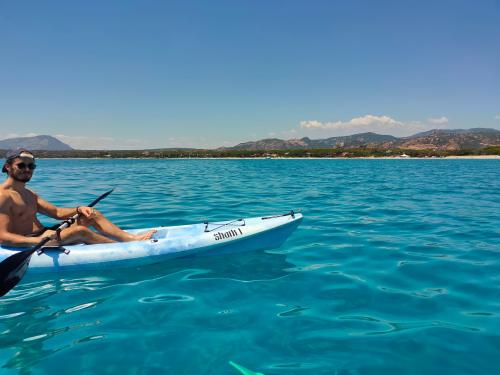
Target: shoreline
483, 157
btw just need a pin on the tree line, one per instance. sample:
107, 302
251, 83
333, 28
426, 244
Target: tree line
311, 153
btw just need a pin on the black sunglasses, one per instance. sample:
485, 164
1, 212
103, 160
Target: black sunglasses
30, 166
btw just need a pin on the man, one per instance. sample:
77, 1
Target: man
19, 225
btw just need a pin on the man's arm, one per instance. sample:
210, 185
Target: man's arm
6, 237
52, 211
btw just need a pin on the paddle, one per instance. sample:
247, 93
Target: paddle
13, 268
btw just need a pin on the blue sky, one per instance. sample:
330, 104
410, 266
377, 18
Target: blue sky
140, 74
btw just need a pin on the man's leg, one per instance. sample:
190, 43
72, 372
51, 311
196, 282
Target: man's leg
79, 233
108, 229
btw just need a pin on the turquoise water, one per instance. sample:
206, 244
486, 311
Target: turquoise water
395, 269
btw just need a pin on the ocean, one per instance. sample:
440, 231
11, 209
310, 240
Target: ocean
395, 269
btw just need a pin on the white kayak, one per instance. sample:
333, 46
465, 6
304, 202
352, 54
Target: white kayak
209, 238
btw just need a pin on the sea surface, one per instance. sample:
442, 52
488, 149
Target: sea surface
395, 269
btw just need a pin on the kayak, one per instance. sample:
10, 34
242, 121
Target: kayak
202, 239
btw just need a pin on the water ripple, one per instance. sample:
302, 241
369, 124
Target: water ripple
394, 269
166, 298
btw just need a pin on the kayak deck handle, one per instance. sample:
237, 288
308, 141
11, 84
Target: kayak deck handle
60, 249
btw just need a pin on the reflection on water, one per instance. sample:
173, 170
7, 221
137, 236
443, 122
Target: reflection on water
27, 330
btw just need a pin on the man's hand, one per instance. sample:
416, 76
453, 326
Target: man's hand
88, 212
52, 234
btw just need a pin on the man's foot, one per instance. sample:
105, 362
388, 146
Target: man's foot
144, 236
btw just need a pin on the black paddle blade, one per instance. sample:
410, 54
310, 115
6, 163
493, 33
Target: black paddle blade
97, 200
13, 269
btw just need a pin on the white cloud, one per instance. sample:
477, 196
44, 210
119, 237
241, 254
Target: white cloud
357, 122
373, 120
8, 135
367, 123
380, 124
16, 135
438, 121
313, 124
497, 117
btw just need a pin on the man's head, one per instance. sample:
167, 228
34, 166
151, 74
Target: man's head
19, 164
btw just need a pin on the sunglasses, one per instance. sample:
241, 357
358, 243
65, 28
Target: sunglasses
30, 166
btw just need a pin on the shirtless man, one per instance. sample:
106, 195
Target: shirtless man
19, 225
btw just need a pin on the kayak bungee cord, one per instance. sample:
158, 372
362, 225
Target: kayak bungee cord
231, 223
221, 225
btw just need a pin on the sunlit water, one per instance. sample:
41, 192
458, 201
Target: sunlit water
395, 269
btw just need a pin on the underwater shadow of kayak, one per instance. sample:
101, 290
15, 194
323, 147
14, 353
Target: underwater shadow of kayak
244, 267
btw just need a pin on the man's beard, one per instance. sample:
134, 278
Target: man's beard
20, 179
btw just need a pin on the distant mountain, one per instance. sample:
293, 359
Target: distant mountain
455, 131
40, 142
438, 139
355, 140
455, 139
271, 144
